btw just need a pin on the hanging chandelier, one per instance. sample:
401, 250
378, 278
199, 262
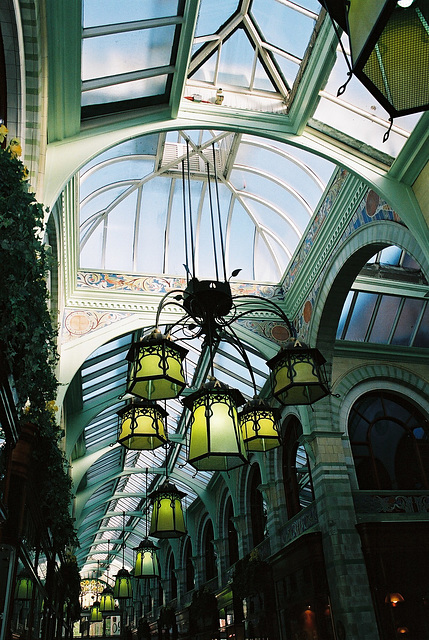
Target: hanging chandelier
142, 425
220, 437
24, 586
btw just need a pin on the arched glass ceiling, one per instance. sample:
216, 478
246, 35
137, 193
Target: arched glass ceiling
131, 212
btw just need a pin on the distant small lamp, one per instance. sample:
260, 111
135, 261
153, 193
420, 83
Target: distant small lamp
24, 586
402, 631
259, 426
393, 599
96, 615
389, 47
107, 601
216, 441
167, 515
155, 369
123, 588
142, 426
298, 374
147, 563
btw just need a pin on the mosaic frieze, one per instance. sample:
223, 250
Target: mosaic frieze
98, 281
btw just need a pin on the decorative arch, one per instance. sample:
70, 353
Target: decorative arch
188, 564
256, 506
389, 438
297, 480
345, 265
208, 551
231, 533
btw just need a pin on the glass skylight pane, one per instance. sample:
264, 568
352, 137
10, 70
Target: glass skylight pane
262, 81
153, 217
386, 316
100, 202
361, 316
344, 314
407, 321
213, 14
155, 86
289, 68
120, 235
236, 60
422, 336
127, 169
390, 255
103, 12
282, 26
119, 53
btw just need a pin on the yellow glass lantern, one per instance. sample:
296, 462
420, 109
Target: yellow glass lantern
123, 588
389, 48
167, 515
107, 601
298, 375
147, 563
96, 615
259, 426
24, 586
216, 441
155, 369
142, 426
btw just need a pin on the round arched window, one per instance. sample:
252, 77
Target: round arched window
389, 437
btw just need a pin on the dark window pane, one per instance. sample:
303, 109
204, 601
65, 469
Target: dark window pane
361, 316
344, 314
422, 336
386, 315
407, 321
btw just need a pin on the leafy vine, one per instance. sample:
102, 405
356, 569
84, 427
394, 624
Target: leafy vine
28, 336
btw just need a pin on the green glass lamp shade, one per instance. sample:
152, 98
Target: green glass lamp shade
389, 47
259, 426
96, 615
107, 601
167, 515
123, 587
298, 375
155, 369
147, 563
142, 426
24, 587
216, 441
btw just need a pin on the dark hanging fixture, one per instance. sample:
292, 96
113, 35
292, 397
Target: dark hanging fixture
216, 441
259, 425
298, 375
142, 425
123, 588
147, 563
167, 514
24, 586
155, 369
389, 44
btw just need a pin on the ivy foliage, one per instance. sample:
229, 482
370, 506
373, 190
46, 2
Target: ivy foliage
28, 337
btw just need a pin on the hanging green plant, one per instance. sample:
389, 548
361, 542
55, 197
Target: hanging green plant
28, 336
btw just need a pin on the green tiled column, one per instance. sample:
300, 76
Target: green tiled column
346, 572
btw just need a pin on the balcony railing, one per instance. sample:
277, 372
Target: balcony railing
410, 503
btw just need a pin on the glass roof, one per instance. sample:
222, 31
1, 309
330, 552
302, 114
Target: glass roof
131, 215
136, 43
